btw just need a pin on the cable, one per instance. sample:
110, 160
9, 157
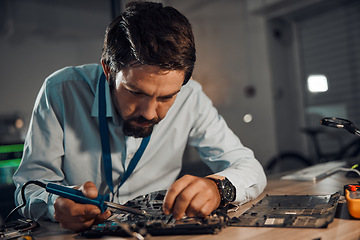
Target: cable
347, 170
23, 197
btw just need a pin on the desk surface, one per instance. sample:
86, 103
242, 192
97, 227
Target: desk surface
343, 226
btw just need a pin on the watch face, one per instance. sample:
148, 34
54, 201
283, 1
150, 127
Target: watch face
229, 192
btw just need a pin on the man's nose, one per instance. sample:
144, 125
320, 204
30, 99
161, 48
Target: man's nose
148, 108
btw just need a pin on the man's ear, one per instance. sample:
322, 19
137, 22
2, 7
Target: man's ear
106, 70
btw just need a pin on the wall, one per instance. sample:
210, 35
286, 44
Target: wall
38, 37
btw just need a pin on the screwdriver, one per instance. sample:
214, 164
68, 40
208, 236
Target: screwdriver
100, 200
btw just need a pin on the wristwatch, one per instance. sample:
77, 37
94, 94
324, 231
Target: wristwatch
227, 191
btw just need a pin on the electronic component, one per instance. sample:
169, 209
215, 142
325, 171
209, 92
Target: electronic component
144, 215
155, 222
17, 228
137, 217
352, 195
297, 211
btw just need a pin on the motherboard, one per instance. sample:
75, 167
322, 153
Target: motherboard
155, 222
285, 211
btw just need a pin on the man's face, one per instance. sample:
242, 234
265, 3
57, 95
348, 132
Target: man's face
143, 96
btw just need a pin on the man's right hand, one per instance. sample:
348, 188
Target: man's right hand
76, 216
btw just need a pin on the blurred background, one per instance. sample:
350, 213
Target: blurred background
273, 68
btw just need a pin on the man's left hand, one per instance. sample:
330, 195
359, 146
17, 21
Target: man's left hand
193, 196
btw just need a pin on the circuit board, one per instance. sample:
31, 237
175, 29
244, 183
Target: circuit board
17, 228
290, 211
286, 211
155, 223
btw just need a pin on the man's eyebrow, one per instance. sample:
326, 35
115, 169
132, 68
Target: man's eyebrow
170, 95
131, 87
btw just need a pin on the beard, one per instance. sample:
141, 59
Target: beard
139, 132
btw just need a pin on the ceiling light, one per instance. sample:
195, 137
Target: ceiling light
317, 83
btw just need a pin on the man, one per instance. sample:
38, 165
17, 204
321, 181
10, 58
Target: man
125, 136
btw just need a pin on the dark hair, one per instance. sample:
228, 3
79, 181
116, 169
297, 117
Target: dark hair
148, 33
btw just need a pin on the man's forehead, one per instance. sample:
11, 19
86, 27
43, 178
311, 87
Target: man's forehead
149, 70
151, 78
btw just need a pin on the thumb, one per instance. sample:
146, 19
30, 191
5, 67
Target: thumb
89, 190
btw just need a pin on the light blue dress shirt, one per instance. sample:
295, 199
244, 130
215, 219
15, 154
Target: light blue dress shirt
63, 143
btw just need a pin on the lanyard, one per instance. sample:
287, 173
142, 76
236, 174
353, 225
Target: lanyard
105, 144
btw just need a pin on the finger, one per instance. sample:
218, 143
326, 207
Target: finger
90, 211
194, 206
174, 191
183, 201
73, 209
77, 223
89, 219
103, 216
89, 190
200, 206
75, 216
180, 206
198, 198
196, 189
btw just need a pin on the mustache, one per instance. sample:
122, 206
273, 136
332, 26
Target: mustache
141, 119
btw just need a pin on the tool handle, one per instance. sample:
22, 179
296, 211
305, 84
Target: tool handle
76, 195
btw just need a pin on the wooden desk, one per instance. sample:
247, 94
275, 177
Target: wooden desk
343, 227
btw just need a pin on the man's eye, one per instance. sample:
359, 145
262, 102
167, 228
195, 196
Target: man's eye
135, 93
165, 99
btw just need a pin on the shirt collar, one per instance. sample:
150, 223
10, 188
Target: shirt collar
110, 108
